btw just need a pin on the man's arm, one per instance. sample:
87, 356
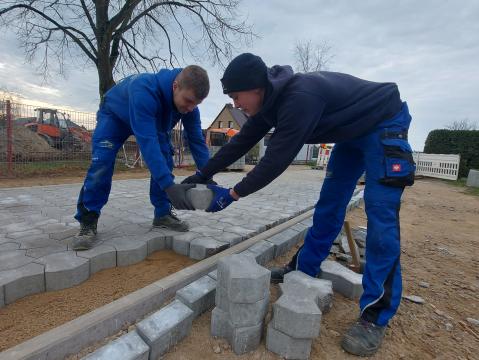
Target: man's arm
144, 106
252, 131
196, 141
297, 118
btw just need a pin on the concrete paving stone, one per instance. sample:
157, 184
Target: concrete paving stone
44, 221
100, 257
17, 227
303, 286
206, 231
166, 327
345, 281
242, 314
287, 346
127, 347
11, 259
64, 270
53, 228
168, 234
241, 339
64, 234
203, 247
213, 274
262, 251
308, 222
37, 241
244, 280
128, 250
283, 241
36, 253
243, 231
22, 281
229, 238
199, 295
23, 234
155, 241
200, 197
181, 243
4, 246
297, 317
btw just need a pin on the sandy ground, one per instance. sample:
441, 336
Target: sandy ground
440, 227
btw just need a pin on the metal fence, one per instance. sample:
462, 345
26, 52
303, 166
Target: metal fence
442, 166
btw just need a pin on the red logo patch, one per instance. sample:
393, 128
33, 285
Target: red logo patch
396, 167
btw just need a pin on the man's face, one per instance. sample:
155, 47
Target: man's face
184, 99
250, 101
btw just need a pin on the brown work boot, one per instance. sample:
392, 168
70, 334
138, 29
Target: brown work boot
171, 221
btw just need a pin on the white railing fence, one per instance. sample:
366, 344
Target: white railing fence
442, 166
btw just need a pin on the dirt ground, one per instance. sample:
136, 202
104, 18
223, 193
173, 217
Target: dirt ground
440, 227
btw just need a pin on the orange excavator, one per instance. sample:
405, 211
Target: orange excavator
216, 138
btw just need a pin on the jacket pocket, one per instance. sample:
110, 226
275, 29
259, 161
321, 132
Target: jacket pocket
399, 164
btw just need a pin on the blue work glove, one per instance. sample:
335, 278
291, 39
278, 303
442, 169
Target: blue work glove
221, 198
199, 178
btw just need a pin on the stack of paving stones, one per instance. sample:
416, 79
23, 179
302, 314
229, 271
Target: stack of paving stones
297, 315
242, 298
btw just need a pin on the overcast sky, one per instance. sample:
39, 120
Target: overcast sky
429, 48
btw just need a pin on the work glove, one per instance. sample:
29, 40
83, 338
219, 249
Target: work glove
177, 195
221, 198
199, 178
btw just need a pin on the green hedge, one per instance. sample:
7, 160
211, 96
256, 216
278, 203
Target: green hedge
463, 142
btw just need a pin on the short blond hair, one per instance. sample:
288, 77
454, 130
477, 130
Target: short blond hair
196, 78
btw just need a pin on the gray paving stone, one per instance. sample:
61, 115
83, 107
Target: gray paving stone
166, 327
287, 346
345, 281
181, 243
199, 295
23, 234
244, 280
203, 247
127, 347
9, 246
242, 314
283, 241
262, 251
200, 197
47, 250
100, 257
302, 285
307, 222
229, 238
64, 234
241, 339
213, 274
155, 241
128, 250
64, 270
20, 282
11, 259
297, 317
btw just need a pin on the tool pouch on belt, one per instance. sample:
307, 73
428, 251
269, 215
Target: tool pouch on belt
398, 160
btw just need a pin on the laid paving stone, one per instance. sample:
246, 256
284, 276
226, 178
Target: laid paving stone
203, 247
11, 259
128, 251
20, 282
166, 327
64, 234
200, 197
9, 246
64, 270
100, 257
296, 317
154, 241
127, 347
345, 281
199, 295
37, 241
307, 222
229, 238
244, 280
287, 346
304, 286
213, 274
283, 241
23, 234
241, 339
44, 251
206, 231
263, 252
181, 243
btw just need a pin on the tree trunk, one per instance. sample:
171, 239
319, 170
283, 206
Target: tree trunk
105, 71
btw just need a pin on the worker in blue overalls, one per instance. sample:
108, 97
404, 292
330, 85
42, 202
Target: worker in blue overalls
147, 106
368, 122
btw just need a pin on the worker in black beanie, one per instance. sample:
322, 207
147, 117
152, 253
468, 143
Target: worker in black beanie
368, 122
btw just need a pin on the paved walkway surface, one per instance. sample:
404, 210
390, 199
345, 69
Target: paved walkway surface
36, 227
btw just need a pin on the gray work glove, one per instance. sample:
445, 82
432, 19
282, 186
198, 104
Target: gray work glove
177, 195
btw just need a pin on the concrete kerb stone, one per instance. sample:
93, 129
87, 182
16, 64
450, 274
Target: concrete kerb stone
101, 257
127, 347
166, 327
345, 281
26, 280
64, 270
287, 346
199, 296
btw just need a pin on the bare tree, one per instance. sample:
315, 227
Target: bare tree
463, 124
124, 35
312, 57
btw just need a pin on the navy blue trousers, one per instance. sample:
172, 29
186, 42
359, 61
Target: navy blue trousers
110, 134
382, 274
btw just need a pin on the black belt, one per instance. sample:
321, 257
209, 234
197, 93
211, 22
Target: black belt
394, 135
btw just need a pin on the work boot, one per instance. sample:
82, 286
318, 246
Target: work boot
86, 238
363, 338
278, 272
171, 221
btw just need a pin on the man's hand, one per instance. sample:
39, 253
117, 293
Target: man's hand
177, 195
198, 178
221, 198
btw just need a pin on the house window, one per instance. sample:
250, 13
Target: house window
220, 124
230, 124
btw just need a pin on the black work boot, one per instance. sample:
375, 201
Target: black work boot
277, 273
363, 338
86, 237
170, 221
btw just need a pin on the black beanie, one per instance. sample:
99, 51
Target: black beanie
244, 72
